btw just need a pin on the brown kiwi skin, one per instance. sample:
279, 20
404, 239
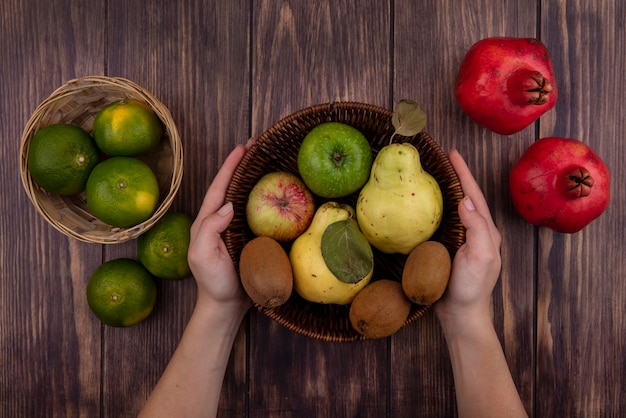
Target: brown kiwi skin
380, 309
426, 273
265, 272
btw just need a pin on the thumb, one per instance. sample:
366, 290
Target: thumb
477, 233
211, 226
225, 216
220, 220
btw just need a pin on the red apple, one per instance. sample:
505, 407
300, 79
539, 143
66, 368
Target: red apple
560, 183
279, 206
505, 84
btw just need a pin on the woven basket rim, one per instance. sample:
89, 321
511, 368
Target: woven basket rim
296, 315
47, 205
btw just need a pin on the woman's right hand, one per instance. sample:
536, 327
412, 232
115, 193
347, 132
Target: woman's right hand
210, 263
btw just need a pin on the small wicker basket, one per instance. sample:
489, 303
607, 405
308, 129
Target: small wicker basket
277, 149
77, 102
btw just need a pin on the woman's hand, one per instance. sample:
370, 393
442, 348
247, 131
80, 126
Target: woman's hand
192, 381
476, 265
210, 263
482, 379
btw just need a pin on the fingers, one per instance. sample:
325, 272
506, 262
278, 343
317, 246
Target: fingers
214, 197
472, 190
478, 229
468, 183
207, 238
217, 222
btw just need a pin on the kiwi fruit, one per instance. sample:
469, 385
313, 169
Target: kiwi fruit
265, 272
426, 273
380, 309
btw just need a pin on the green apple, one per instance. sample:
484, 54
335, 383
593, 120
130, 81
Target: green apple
334, 160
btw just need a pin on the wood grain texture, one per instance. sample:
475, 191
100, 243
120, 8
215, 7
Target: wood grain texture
228, 70
581, 289
293, 376
49, 342
430, 41
194, 56
305, 53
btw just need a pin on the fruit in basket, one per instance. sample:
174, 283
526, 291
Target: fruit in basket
122, 191
164, 247
121, 292
279, 206
61, 157
426, 273
505, 84
313, 278
127, 127
401, 205
265, 272
334, 160
560, 183
380, 309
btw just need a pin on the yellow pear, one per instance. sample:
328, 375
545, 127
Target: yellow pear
401, 205
313, 280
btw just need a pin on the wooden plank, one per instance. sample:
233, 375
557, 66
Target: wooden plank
305, 53
293, 375
50, 342
430, 41
581, 357
194, 56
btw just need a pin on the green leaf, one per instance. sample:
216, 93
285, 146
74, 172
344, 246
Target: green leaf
346, 251
408, 118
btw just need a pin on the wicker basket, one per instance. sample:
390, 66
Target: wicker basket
277, 149
77, 102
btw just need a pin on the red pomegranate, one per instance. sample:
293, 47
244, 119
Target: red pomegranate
560, 183
505, 84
